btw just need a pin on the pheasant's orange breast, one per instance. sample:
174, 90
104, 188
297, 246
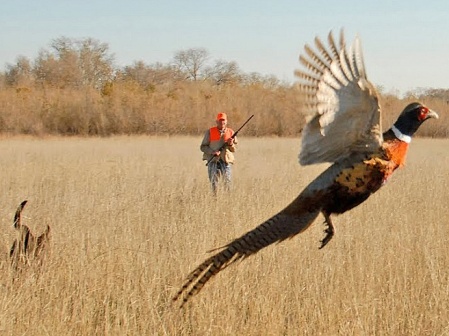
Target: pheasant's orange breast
396, 151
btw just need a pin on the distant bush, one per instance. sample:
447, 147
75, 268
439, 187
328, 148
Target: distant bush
125, 107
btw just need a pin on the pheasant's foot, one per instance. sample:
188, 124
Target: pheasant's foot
330, 231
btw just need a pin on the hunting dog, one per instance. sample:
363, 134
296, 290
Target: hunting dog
27, 247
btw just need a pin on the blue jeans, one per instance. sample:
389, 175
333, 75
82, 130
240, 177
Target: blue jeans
219, 170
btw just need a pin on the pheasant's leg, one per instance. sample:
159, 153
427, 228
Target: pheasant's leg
330, 230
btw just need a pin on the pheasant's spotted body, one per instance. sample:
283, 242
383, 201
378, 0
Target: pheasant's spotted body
344, 129
370, 174
366, 176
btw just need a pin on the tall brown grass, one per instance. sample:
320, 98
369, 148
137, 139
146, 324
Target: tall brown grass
130, 217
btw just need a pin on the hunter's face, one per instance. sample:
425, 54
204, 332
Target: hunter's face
221, 123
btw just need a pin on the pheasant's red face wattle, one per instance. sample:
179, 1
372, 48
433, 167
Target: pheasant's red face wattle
423, 113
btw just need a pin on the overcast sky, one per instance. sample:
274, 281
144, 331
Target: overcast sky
406, 43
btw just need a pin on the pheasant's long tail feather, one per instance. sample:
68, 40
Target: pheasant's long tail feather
278, 228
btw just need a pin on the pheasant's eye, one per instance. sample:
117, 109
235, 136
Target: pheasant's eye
423, 111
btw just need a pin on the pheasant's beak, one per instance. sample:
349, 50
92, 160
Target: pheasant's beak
432, 114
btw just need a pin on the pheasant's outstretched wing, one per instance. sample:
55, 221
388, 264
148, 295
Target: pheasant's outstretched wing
343, 113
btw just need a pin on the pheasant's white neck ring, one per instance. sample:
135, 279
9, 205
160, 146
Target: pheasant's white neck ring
403, 137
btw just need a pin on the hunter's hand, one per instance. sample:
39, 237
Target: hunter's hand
230, 142
216, 153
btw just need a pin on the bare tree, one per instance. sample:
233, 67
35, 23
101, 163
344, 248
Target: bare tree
75, 63
20, 73
267, 81
422, 93
58, 70
150, 75
95, 62
191, 62
223, 72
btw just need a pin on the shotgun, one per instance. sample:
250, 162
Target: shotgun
232, 137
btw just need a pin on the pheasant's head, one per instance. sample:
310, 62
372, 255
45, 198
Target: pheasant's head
410, 119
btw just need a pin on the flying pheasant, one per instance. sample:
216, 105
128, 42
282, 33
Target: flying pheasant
343, 128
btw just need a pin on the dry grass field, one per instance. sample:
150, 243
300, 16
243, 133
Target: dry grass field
131, 216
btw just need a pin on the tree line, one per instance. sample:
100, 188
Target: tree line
74, 88
80, 63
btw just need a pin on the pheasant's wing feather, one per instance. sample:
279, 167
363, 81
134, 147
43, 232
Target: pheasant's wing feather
342, 108
285, 224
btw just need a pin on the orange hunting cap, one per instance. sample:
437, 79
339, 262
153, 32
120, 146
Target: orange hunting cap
222, 116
